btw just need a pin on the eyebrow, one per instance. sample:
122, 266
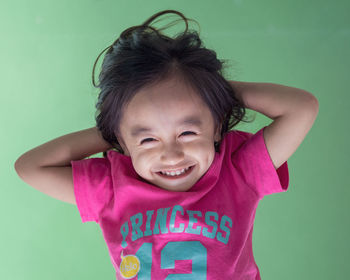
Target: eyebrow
191, 120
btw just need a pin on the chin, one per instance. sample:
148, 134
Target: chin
175, 188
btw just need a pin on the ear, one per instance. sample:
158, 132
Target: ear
122, 144
217, 133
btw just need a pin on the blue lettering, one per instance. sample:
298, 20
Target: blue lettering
193, 220
136, 227
124, 229
225, 229
172, 220
210, 223
148, 223
161, 221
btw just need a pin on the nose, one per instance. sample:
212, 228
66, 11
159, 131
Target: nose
172, 153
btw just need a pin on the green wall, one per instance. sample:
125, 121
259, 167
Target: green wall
47, 53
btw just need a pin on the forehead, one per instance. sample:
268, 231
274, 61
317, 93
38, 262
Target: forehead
169, 90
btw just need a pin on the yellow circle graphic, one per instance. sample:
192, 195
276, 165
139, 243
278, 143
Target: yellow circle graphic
130, 266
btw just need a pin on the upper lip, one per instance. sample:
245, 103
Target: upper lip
174, 169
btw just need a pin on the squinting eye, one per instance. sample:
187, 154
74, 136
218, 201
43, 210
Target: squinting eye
147, 140
151, 139
188, 132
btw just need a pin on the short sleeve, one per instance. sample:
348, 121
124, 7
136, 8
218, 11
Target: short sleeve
92, 186
254, 164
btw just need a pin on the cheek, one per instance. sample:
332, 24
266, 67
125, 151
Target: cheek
141, 162
207, 150
202, 146
203, 151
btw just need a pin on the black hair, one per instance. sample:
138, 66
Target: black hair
142, 56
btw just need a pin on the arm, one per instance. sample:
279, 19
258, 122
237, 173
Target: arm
47, 167
293, 111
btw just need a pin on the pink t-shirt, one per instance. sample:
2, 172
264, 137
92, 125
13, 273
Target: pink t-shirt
204, 233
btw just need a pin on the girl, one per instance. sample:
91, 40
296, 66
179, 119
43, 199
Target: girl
176, 191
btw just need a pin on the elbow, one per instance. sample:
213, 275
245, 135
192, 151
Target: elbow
315, 104
19, 165
313, 99
312, 103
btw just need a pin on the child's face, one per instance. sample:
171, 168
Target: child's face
168, 144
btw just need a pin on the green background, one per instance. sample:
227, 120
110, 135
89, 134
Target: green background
47, 53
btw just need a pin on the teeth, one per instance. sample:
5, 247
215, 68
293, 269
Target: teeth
173, 173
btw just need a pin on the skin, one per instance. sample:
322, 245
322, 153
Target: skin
169, 145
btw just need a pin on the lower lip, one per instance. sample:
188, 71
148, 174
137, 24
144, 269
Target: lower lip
176, 176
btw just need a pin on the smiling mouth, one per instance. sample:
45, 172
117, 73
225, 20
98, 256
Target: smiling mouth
184, 174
